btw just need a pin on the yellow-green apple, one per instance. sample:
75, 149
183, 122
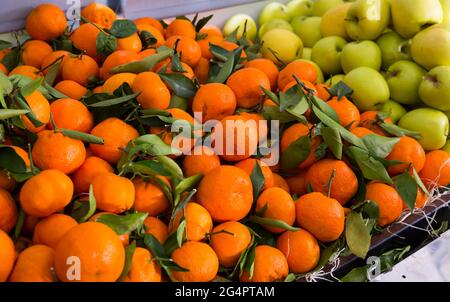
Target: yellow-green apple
243, 22
273, 10
281, 44
393, 48
297, 8
320, 77
432, 124
404, 78
327, 54
306, 55
358, 54
335, 79
333, 21
322, 6
308, 29
431, 47
446, 11
272, 24
434, 90
410, 17
394, 109
367, 19
369, 87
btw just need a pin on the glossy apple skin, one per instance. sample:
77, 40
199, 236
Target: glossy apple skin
274, 24
308, 29
273, 10
434, 89
327, 54
393, 48
409, 17
333, 21
431, 123
238, 21
431, 47
306, 54
359, 54
287, 45
369, 87
404, 78
320, 7
367, 19
296, 8
394, 109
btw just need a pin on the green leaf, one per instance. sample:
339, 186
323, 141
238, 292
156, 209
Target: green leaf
19, 224
147, 39
406, 186
371, 210
52, 73
155, 246
397, 131
176, 64
105, 44
291, 97
202, 22
9, 113
11, 161
85, 137
153, 145
257, 179
223, 73
325, 108
5, 44
123, 224
271, 95
340, 90
274, 223
92, 205
31, 87
12, 59
171, 166
274, 113
6, 86
114, 101
148, 167
123, 28
53, 92
371, 168
327, 253
290, 278
181, 230
129, 252
332, 138
249, 264
181, 85
356, 234
379, 146
358, 274
296, 153
392, 257
419, 182
261, 235
187, 184
143, 65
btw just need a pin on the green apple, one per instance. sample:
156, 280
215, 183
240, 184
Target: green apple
358, 54
394, 109
243, 22
333, 21
367, 19
308, 29
431, 47
297, 8
404, 78
369, 87
320, 77
393, 48
273, 10
322, 6
327, 54
432, 125
446, 147
306, 54
272, 24
410, 17
434, 90
335, 79
446, 11
281, 44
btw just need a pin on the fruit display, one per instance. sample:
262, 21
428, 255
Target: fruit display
257, 150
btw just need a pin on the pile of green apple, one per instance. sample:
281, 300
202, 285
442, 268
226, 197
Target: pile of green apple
394, 54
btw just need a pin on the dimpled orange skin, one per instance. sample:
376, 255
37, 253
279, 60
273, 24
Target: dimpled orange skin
144, 268
34, 52
153, 91
188, 48
280, 182
436, 171
270, 265
118, 57
84, 38
344, 184
8, 211
7, 256
409, 151
57, 55
34, 264
246, 84
99, 14
85, 174
199, 258
303, 70
116, 135
101, 253
279, 205
322, 216
150, 198
131, 43
301, 250
160, 40
29, 71
230, 244
388, 200
201, 71
322, 91
57, 151
113, 193
71, 89
117, 80
179, 27
249, 164
51, 229
361, 131
41, 109
46, 22
201, 160
347, 112
80, 69
226, 192
150, 22
157, 228
369, 119
198, 222
46, 193
297, 183
71, 114
205, 47
268, 67
214, 101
